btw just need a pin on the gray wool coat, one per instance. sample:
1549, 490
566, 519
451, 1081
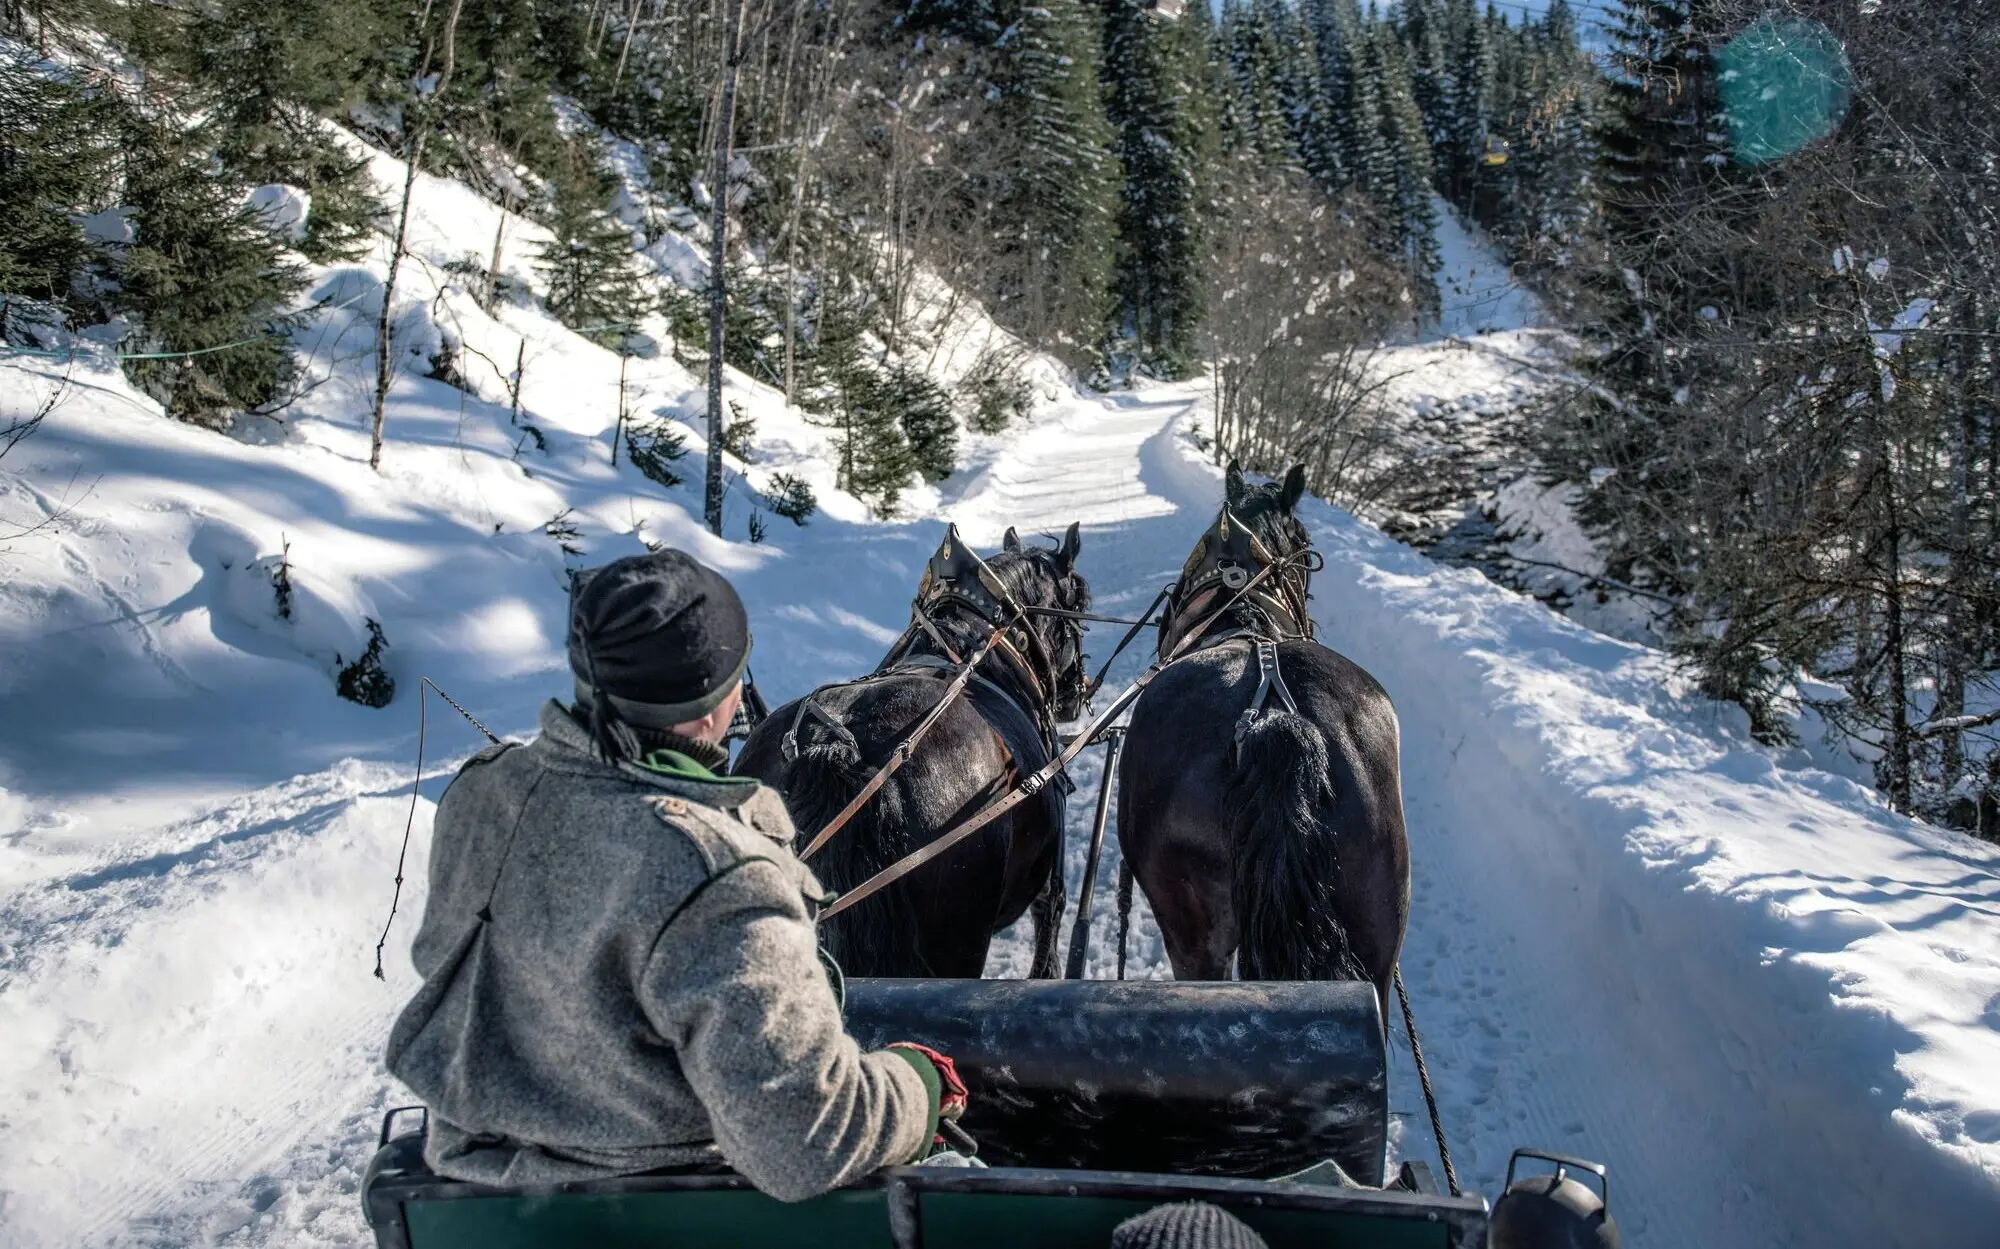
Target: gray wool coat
620, 974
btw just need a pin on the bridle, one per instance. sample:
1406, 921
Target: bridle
957, 579
1232, 569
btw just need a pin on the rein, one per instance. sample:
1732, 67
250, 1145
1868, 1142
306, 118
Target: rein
905, 748
1033, 784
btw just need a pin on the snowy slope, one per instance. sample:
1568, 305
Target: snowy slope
1772, 1006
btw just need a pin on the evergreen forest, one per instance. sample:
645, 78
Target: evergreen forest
1772, 229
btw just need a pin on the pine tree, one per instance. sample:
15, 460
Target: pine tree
1405, 192
1331, 61
1366, 159
1466, 125
1057, 177
202, 276
57, 153
270, 69
1430, 80
1258, 73
588, 262
1152, 75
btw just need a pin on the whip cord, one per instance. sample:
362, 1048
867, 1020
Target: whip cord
402, 855
1424, 1075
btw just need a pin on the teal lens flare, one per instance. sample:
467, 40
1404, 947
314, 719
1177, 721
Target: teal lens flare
1785, 83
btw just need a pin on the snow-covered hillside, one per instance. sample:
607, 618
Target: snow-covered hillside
1769, 1004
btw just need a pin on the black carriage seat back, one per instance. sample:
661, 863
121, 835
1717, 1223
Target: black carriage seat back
1142, 1092
1241, 1078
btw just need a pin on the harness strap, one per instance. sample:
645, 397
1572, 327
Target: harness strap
1270, 680
905, 748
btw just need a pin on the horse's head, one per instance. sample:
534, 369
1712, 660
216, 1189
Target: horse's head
1253, 565
1269, 509
1046, 577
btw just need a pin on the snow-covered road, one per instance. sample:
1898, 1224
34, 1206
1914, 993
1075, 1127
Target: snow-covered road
1770, 1005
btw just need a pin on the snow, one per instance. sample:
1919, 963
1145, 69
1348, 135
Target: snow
1477, 291
1771, 1005
283, 208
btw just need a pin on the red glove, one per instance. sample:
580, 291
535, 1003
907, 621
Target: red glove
952, 1092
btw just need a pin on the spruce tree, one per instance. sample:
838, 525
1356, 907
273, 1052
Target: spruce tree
588, 263
1056, 177
1430, 78
57, 153
1405, 193
1332, 61
1466, 124
1152, 75
202, 276
1258, 65
269, 71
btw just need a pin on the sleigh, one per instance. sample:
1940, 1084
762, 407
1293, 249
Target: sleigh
1092, 1101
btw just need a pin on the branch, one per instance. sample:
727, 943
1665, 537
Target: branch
1954, 723
1595, 578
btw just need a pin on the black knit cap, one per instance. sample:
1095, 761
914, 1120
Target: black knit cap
657, 639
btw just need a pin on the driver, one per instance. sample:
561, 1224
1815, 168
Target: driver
620, 972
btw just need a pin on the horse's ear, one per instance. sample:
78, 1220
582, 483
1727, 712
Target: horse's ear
1066, 553
1011, 542
1233, 485
1294, 489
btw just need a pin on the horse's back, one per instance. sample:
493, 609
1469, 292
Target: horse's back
1179, 818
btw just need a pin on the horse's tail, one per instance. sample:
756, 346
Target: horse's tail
1283, 887
823, 778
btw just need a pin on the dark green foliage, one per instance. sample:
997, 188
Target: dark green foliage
1153, 77
269, 71
281, 583
655, 447
58, 145
366, 681
568, 537
924, 412
848, 395
739, 434
202, 275
997, 393
593, 283
791, 497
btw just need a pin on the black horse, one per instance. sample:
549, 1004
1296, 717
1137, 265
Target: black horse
1259, 798
940, 919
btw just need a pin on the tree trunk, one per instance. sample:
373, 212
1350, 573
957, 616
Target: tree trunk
625, 48
1900, 740
618, 430
718, 192
420, 123
493, 269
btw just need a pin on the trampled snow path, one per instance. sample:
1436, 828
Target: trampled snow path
1771, 1006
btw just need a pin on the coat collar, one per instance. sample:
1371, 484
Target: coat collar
562, 732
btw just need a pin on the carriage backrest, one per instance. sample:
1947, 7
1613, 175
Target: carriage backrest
905, 1208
